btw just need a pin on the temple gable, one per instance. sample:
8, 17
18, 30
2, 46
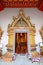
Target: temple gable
21, 20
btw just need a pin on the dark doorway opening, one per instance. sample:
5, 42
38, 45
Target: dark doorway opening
21, 43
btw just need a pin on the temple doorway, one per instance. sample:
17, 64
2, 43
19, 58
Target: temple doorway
21, 43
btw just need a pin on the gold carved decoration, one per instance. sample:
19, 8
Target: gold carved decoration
21, 21
41, 32
1, 32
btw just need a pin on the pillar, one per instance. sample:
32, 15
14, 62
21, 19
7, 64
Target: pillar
32, 37
10, 38
28, 44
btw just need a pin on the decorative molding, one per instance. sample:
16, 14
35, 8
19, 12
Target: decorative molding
1, 32
41, 32
20, 3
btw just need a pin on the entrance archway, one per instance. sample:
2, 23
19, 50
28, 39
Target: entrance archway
21, 32
21, 24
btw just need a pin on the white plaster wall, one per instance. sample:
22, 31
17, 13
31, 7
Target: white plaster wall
6, 15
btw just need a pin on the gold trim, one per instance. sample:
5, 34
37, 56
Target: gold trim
41, 32
1, 32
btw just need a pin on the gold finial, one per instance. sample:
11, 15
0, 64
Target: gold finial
21, 12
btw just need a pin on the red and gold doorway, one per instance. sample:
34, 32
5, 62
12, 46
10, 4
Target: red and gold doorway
21, 43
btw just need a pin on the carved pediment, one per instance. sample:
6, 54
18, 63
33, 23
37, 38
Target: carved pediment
21, 20
21, 23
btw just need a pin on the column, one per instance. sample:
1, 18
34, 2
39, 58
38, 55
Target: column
29, 49
14, 44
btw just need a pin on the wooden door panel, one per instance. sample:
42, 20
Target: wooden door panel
21, 43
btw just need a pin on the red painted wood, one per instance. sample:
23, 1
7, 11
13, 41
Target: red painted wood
20, 3
41, 6
1, 7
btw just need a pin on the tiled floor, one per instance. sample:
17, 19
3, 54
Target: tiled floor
21, 60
